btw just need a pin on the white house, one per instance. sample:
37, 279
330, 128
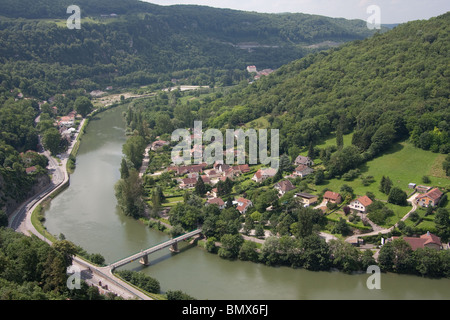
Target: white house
263, 174
360, 204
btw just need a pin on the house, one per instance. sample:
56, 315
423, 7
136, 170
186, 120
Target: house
302, 171
239, 169
218, 201
431, 198
263, 174
31, 170
284, 186
423, 189
427, 240
66, 121
361, 204
243, 205
220, 167
158, 144
206, 179
306, 198
303, 160
191, 168
212, 173
332, 197
188, 183
251, 69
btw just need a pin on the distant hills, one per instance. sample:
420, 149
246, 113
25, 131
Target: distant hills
123, 43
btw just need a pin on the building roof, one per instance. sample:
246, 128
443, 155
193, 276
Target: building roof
189, 180
303, 167
217, 201
305, 195
31, 169
365, 201
302, 160
243, 204
285, 185
422, 241
434, 194
331, 195
242, 168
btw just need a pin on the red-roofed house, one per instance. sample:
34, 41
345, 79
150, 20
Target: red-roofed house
243, 205
242, 168
217, 201
427, 240
431, 198
31, 170
158, 144
332, 197
188, 183
361, 203
263, 174
302, 170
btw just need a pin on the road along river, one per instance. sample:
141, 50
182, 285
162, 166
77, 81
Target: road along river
86, 214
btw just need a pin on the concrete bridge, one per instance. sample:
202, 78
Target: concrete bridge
143, 255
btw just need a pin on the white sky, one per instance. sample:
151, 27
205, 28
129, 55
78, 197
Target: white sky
392, 11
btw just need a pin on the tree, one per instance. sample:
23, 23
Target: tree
231, 245
315, 253
178, 295
285, 163
319, 177
305, 223
124, 172
129, 194
442, 221
248, 251
134, 149
83, 106
3, 219
346, 257
51, 140
339, 137
397, 196
200, 188
385, 185
342, 227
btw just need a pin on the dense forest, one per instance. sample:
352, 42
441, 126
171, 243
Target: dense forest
31, 269
146, 44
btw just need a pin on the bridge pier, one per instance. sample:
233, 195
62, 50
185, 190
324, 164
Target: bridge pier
174, 247
144, 260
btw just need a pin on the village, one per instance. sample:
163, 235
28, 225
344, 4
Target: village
328, 202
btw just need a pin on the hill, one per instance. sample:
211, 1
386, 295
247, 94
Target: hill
132, 43
384, 89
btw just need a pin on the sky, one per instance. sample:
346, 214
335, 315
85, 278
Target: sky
390, 11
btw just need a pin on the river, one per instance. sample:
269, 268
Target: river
86, 214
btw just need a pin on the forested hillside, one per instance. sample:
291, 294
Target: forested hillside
145, 43
386, 88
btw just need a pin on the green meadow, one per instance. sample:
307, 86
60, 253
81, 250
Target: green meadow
403, 164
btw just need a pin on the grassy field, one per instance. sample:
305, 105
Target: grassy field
403, 164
